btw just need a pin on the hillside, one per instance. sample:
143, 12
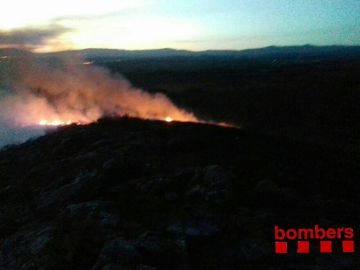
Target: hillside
134, 194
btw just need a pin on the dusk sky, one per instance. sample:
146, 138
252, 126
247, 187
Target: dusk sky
194, 25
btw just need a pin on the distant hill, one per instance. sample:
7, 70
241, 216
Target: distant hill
268, 52
305, 51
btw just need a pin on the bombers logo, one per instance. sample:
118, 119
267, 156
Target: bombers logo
324, 237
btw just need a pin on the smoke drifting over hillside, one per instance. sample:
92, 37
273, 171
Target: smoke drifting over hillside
63, 91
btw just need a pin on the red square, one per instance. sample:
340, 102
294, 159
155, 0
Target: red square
325, 246
348, 246
303, 247
280, 247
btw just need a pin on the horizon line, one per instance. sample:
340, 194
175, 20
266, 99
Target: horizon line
21, 48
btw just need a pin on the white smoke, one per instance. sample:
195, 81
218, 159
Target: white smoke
65, 91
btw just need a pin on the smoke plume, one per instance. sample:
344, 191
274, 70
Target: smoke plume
30, 37
63, 91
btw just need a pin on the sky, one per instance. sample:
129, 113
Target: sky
43, 25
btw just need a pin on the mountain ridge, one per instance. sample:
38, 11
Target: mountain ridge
269, 51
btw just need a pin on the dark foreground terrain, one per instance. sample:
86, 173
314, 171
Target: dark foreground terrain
133, 194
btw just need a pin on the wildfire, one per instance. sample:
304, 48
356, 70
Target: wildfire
54, 123
52, 97
58, 122
168, 119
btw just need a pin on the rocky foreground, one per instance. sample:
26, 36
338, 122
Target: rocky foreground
133, 194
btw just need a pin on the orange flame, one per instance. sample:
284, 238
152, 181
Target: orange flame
168, 119
55, 122
46, 95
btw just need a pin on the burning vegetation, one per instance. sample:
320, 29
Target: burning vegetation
63, 92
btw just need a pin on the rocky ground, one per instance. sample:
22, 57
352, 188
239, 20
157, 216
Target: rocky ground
134, 194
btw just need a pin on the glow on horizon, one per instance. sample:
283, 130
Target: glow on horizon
142, 33
192, 25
